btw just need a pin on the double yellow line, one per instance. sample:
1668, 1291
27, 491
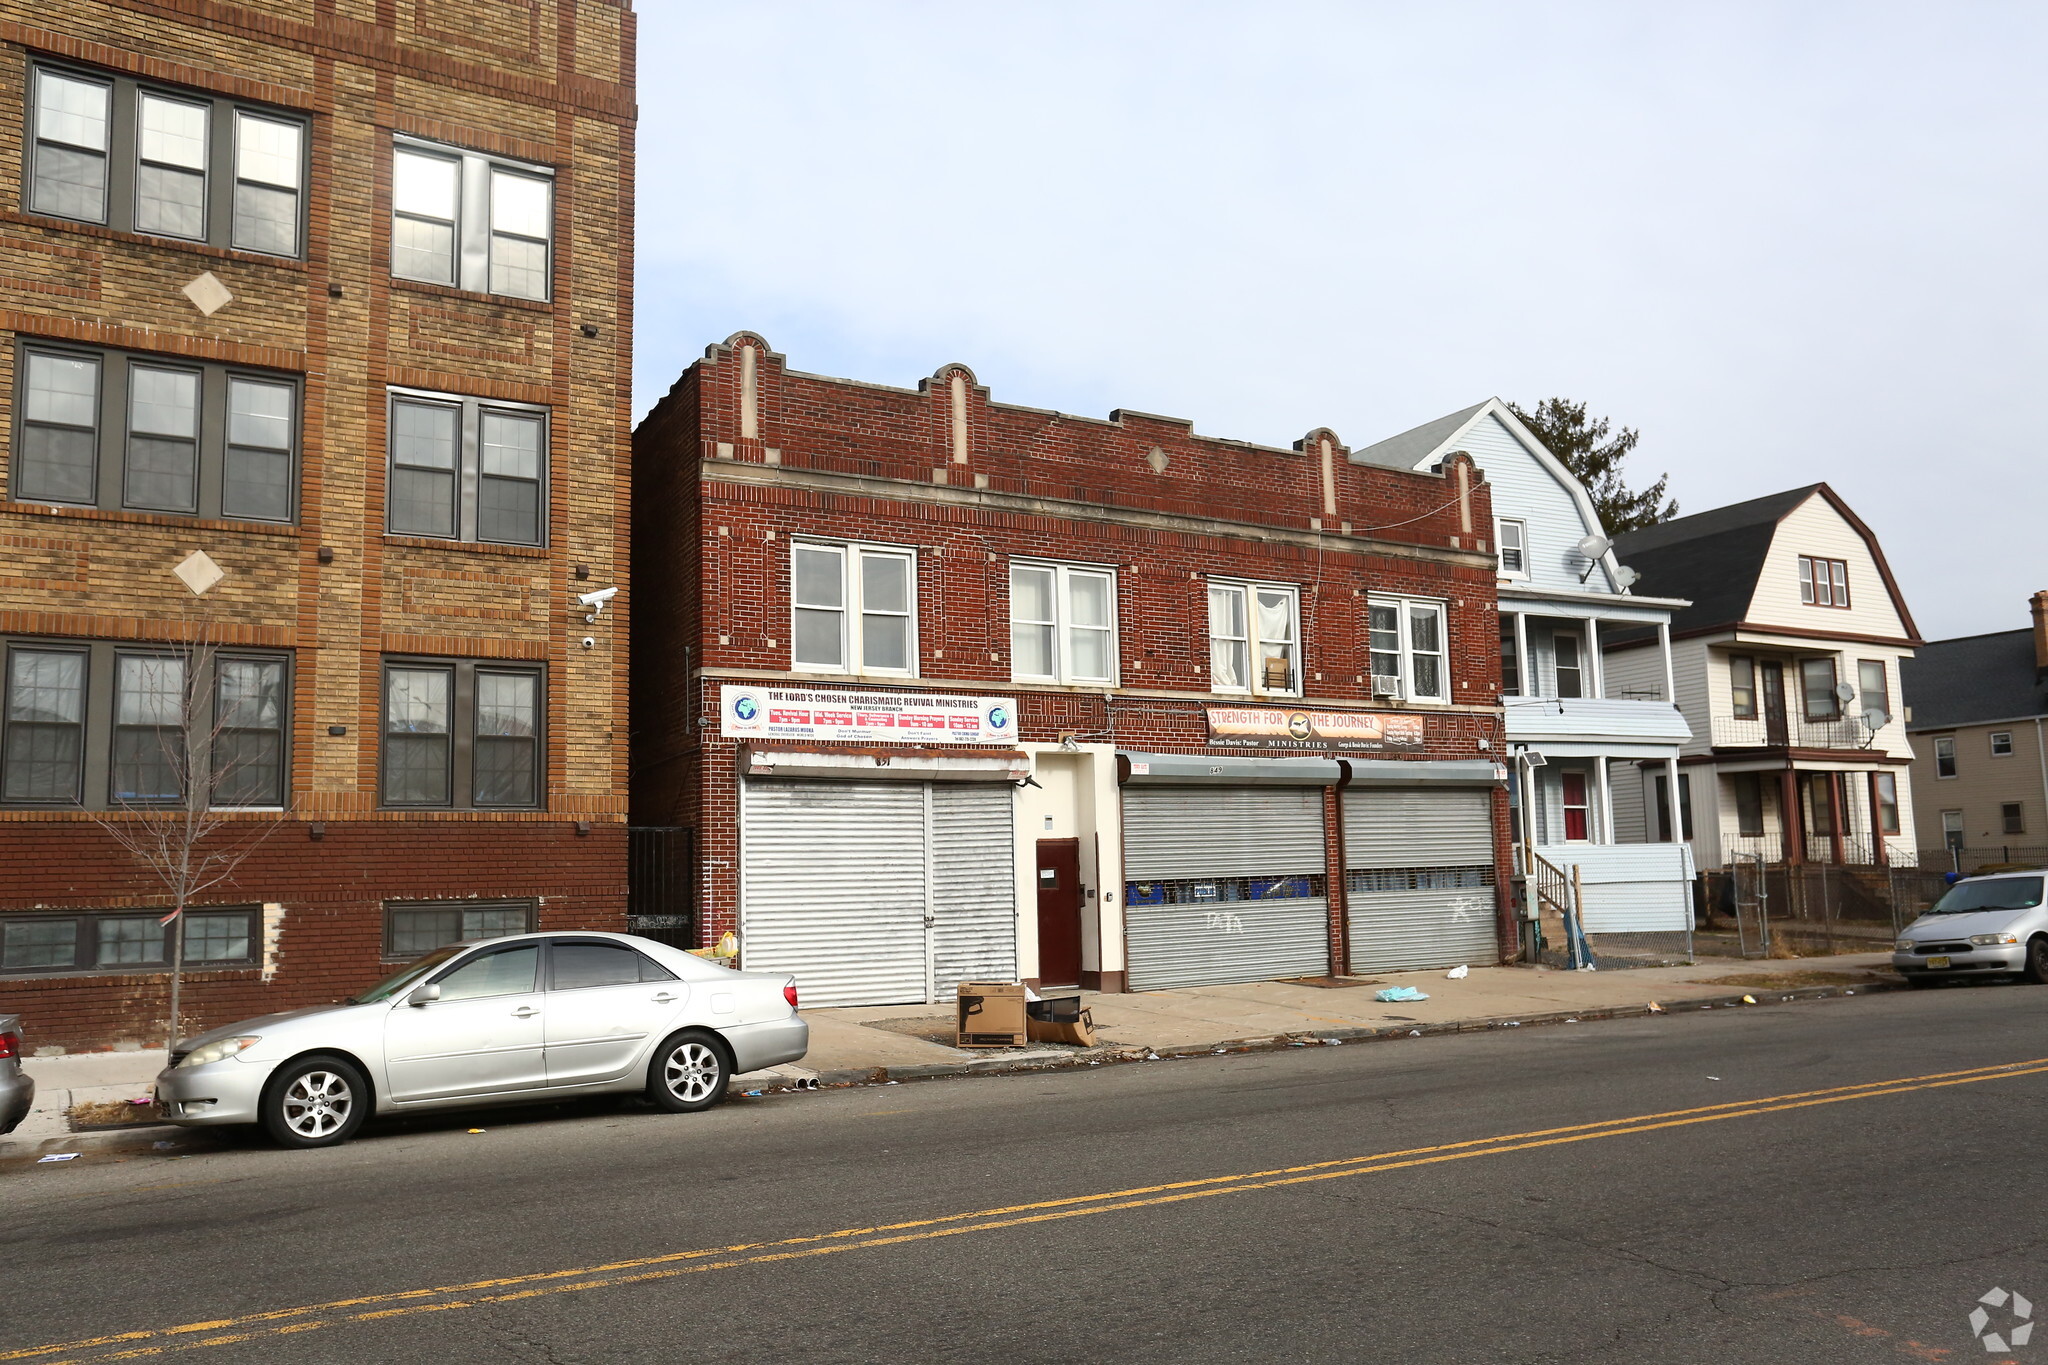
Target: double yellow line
511, 1289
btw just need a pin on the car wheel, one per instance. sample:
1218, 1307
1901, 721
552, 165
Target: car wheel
689, 1072
2036, 969
315, 1102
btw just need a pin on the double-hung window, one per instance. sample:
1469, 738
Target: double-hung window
1407, 640
462, 735
111, 726
469, 221
1512, 537
1887, 803
1945, 756
1569, 661
853, 608
1874, 683
1062, 623
1742, 686
467, 469
139, 157
2001, 744
1817, 687
123, 431
1254, 638
1823, 582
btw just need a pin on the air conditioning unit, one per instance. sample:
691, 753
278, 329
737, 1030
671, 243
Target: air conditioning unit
1386, 684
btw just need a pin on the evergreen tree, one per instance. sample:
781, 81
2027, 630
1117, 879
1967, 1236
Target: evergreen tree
1594, 458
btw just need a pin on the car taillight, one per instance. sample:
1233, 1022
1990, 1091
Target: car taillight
10, 1043
789, 994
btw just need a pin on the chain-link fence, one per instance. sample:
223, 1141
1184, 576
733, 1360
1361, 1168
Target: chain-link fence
1754, 909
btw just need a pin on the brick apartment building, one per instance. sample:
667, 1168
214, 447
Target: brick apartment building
956, 690
336, 292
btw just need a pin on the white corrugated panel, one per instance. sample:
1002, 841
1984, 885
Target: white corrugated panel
1630, 888
1411, 929
833, 877
1225, 836
974, 885
1418, 827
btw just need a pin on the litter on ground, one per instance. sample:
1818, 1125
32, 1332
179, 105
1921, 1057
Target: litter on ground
1459, 973
1398, 995
57, 1156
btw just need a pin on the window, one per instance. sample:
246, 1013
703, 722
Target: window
1062, 624
1887, 803
1253, 638
1823, 582
470, 221
1408, 649
1945, 756
1513, 539
61, 744
414, 928
1510, 659
1577, 814
169, 163
505, 971
1570, 669
1817, 686
467, 469
1742, 686
1820, 795
125, 941
2001, 744
461, 735
1749, 803
580, 964
852, 608
2013, 817
1874, 683
1664, 806
1952, 829
117, 430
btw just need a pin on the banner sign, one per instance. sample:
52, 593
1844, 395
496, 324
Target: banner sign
864, 717
1257, 727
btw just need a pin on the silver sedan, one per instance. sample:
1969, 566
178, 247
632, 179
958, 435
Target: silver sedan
499, 1021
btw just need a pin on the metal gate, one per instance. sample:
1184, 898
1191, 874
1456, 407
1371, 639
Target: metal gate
1223, 884
876, 893
1419, 877
661, 884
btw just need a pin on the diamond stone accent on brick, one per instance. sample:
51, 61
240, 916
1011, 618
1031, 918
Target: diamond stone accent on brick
208, 294
198, 572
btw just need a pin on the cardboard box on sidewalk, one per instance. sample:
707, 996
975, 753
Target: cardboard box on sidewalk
991, 1015
1079, 1031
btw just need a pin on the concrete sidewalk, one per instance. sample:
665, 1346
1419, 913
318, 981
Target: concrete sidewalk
858, 1045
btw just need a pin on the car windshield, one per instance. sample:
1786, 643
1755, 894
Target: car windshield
1999, 893
405, 976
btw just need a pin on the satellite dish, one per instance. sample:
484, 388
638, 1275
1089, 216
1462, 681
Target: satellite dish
1876, 718
1626, 576
1844, 693
1592, 547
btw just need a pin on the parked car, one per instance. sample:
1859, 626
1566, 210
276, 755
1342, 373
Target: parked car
495, 1021
17, 1087
1995, 924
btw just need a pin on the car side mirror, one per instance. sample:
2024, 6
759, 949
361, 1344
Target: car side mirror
424, 995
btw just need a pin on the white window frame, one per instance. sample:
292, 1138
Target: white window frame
1248, 591
852, 610
1996, 736
1521, 546
1403, 606
1063, 625
1944, 752
1817, 573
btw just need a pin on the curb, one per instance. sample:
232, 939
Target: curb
140, 1138
1110, 1056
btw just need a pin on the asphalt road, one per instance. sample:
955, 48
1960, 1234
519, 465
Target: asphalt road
967, 1220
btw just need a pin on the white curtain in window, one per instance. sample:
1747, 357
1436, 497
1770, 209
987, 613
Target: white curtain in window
1227, 665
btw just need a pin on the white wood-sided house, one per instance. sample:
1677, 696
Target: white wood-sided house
1578, 735
1786, 665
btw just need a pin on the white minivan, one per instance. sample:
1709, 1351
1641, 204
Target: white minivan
1995, 925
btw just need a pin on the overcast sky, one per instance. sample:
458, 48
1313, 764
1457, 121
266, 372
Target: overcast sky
1788, 243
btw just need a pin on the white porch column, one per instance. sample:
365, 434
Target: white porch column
1664, 647
1523, 682
1674, 812
1599, 664
1606, 803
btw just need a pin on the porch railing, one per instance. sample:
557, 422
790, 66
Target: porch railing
1793, 731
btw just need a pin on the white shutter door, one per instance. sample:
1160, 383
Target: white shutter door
833, 878
974, 885
1202, 866
1418, 865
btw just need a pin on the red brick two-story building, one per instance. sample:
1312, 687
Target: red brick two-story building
955, 690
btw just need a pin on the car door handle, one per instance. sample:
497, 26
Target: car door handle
666, 999
525, 1012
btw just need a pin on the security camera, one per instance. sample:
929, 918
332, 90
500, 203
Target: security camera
590, 642
596, 601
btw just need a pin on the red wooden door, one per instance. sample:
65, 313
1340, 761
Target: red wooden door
1059, 912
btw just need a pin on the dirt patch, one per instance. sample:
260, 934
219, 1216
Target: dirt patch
1775, 981
933, 1029
97, 1114
1328, 983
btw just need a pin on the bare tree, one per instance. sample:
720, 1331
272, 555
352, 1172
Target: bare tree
198, 739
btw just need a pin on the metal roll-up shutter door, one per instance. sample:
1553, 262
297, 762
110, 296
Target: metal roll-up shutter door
974, 885
1419, 879
833, 877
1218, 884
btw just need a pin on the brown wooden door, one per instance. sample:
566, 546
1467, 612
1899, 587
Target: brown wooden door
1771, 676
1059, 912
